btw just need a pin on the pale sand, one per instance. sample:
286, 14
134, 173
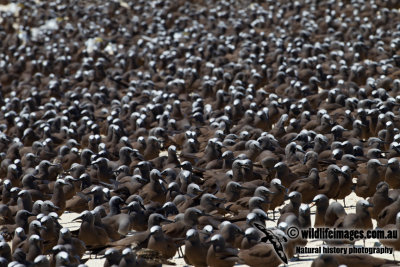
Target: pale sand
305, 259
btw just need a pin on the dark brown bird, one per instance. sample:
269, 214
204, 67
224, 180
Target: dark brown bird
329, 185
278, 196
334, 213
259, 255
366, 183
89, 233
160, 242
195, 250
294, 204
393, 243
388, 214
322, 203
392, 176
284, 174
77, 245
155, 189
307, 187
179, 228
345, 184
140, 239
58, 197
220, 255
359, 220
380, 199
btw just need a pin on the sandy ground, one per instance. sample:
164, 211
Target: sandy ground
305, 259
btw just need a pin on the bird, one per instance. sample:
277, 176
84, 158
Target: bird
294, 204
322, 203
391, 176
359, 220
366, 184
307, 187
334, 213
179, 228
160, 242
89, 233
329, 185
380, 199
195, 250
65, 238
393, 243
388, 214
219, 254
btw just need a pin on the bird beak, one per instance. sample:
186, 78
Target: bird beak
199, 190
301, 150
77, 218
313, 204
141, 205
167, 220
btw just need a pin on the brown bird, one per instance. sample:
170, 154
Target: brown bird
195, 250
380, 199
392, 176
366, 183
359, 220
294, 204
260, 255
179, 228
92, 235
58, 197
329, 185
308, 187
388, 214
140, 239
278, 195
335, 212
393, 243
322, 203
155, 189
77, 245
284, 174
220, 255
345, 184
160, 242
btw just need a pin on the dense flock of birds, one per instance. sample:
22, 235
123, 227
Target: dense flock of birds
182, 126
